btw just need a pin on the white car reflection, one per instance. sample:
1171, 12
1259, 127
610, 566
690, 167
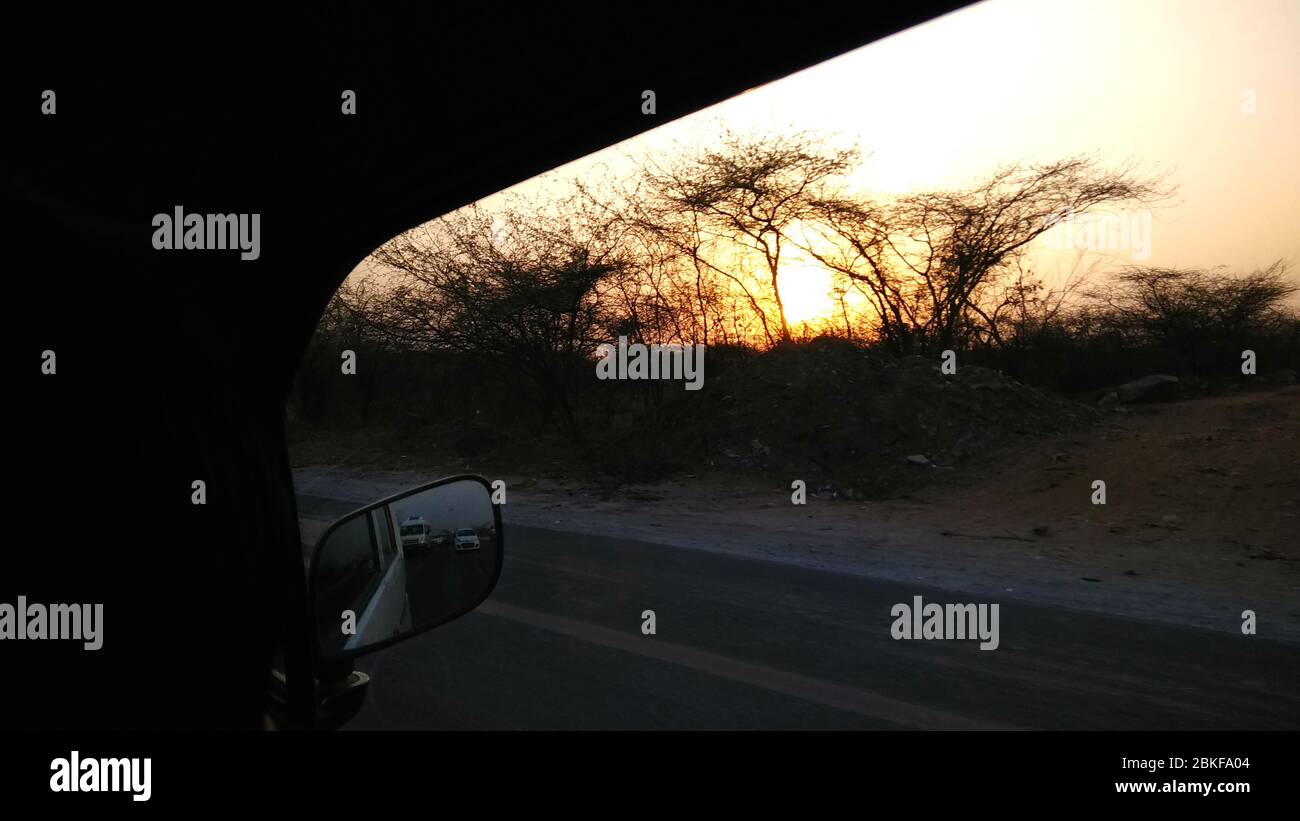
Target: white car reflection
466, 539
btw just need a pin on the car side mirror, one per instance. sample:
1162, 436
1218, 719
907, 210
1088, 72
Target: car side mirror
403, 565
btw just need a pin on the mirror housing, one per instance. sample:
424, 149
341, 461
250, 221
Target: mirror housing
385, 573
388, 571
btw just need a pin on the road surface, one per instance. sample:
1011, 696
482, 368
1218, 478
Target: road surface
744, 643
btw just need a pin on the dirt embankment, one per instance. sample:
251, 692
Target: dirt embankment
1205, 490
1202, 507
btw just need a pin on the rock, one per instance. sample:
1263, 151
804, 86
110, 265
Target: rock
1157, 387
918, 459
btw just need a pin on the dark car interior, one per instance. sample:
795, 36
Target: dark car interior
174, 367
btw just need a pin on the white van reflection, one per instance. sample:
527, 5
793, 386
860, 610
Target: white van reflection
417, 533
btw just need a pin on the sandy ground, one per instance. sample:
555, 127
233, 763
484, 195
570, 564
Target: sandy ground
1200, 520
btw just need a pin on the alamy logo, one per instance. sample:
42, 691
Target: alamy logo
74, 774
208, 232
641, 361
946, 621
1123, 231
75, 622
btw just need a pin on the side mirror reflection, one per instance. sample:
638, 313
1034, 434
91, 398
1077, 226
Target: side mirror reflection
404, 565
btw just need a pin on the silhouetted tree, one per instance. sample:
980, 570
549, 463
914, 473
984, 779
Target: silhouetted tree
925, 258
1196, 312
521, 289
740, 198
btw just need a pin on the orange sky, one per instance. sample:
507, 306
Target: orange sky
1165, 82
1206, 90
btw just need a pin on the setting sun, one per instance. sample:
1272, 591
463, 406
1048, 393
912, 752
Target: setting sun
806, 292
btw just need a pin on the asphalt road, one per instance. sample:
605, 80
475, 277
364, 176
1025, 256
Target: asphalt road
747, 644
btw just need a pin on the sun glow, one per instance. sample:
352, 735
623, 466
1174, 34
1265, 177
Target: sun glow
806, 292
1033, 81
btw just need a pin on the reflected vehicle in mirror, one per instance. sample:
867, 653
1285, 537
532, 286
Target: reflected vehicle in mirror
376, 578
417, 534
466, 539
